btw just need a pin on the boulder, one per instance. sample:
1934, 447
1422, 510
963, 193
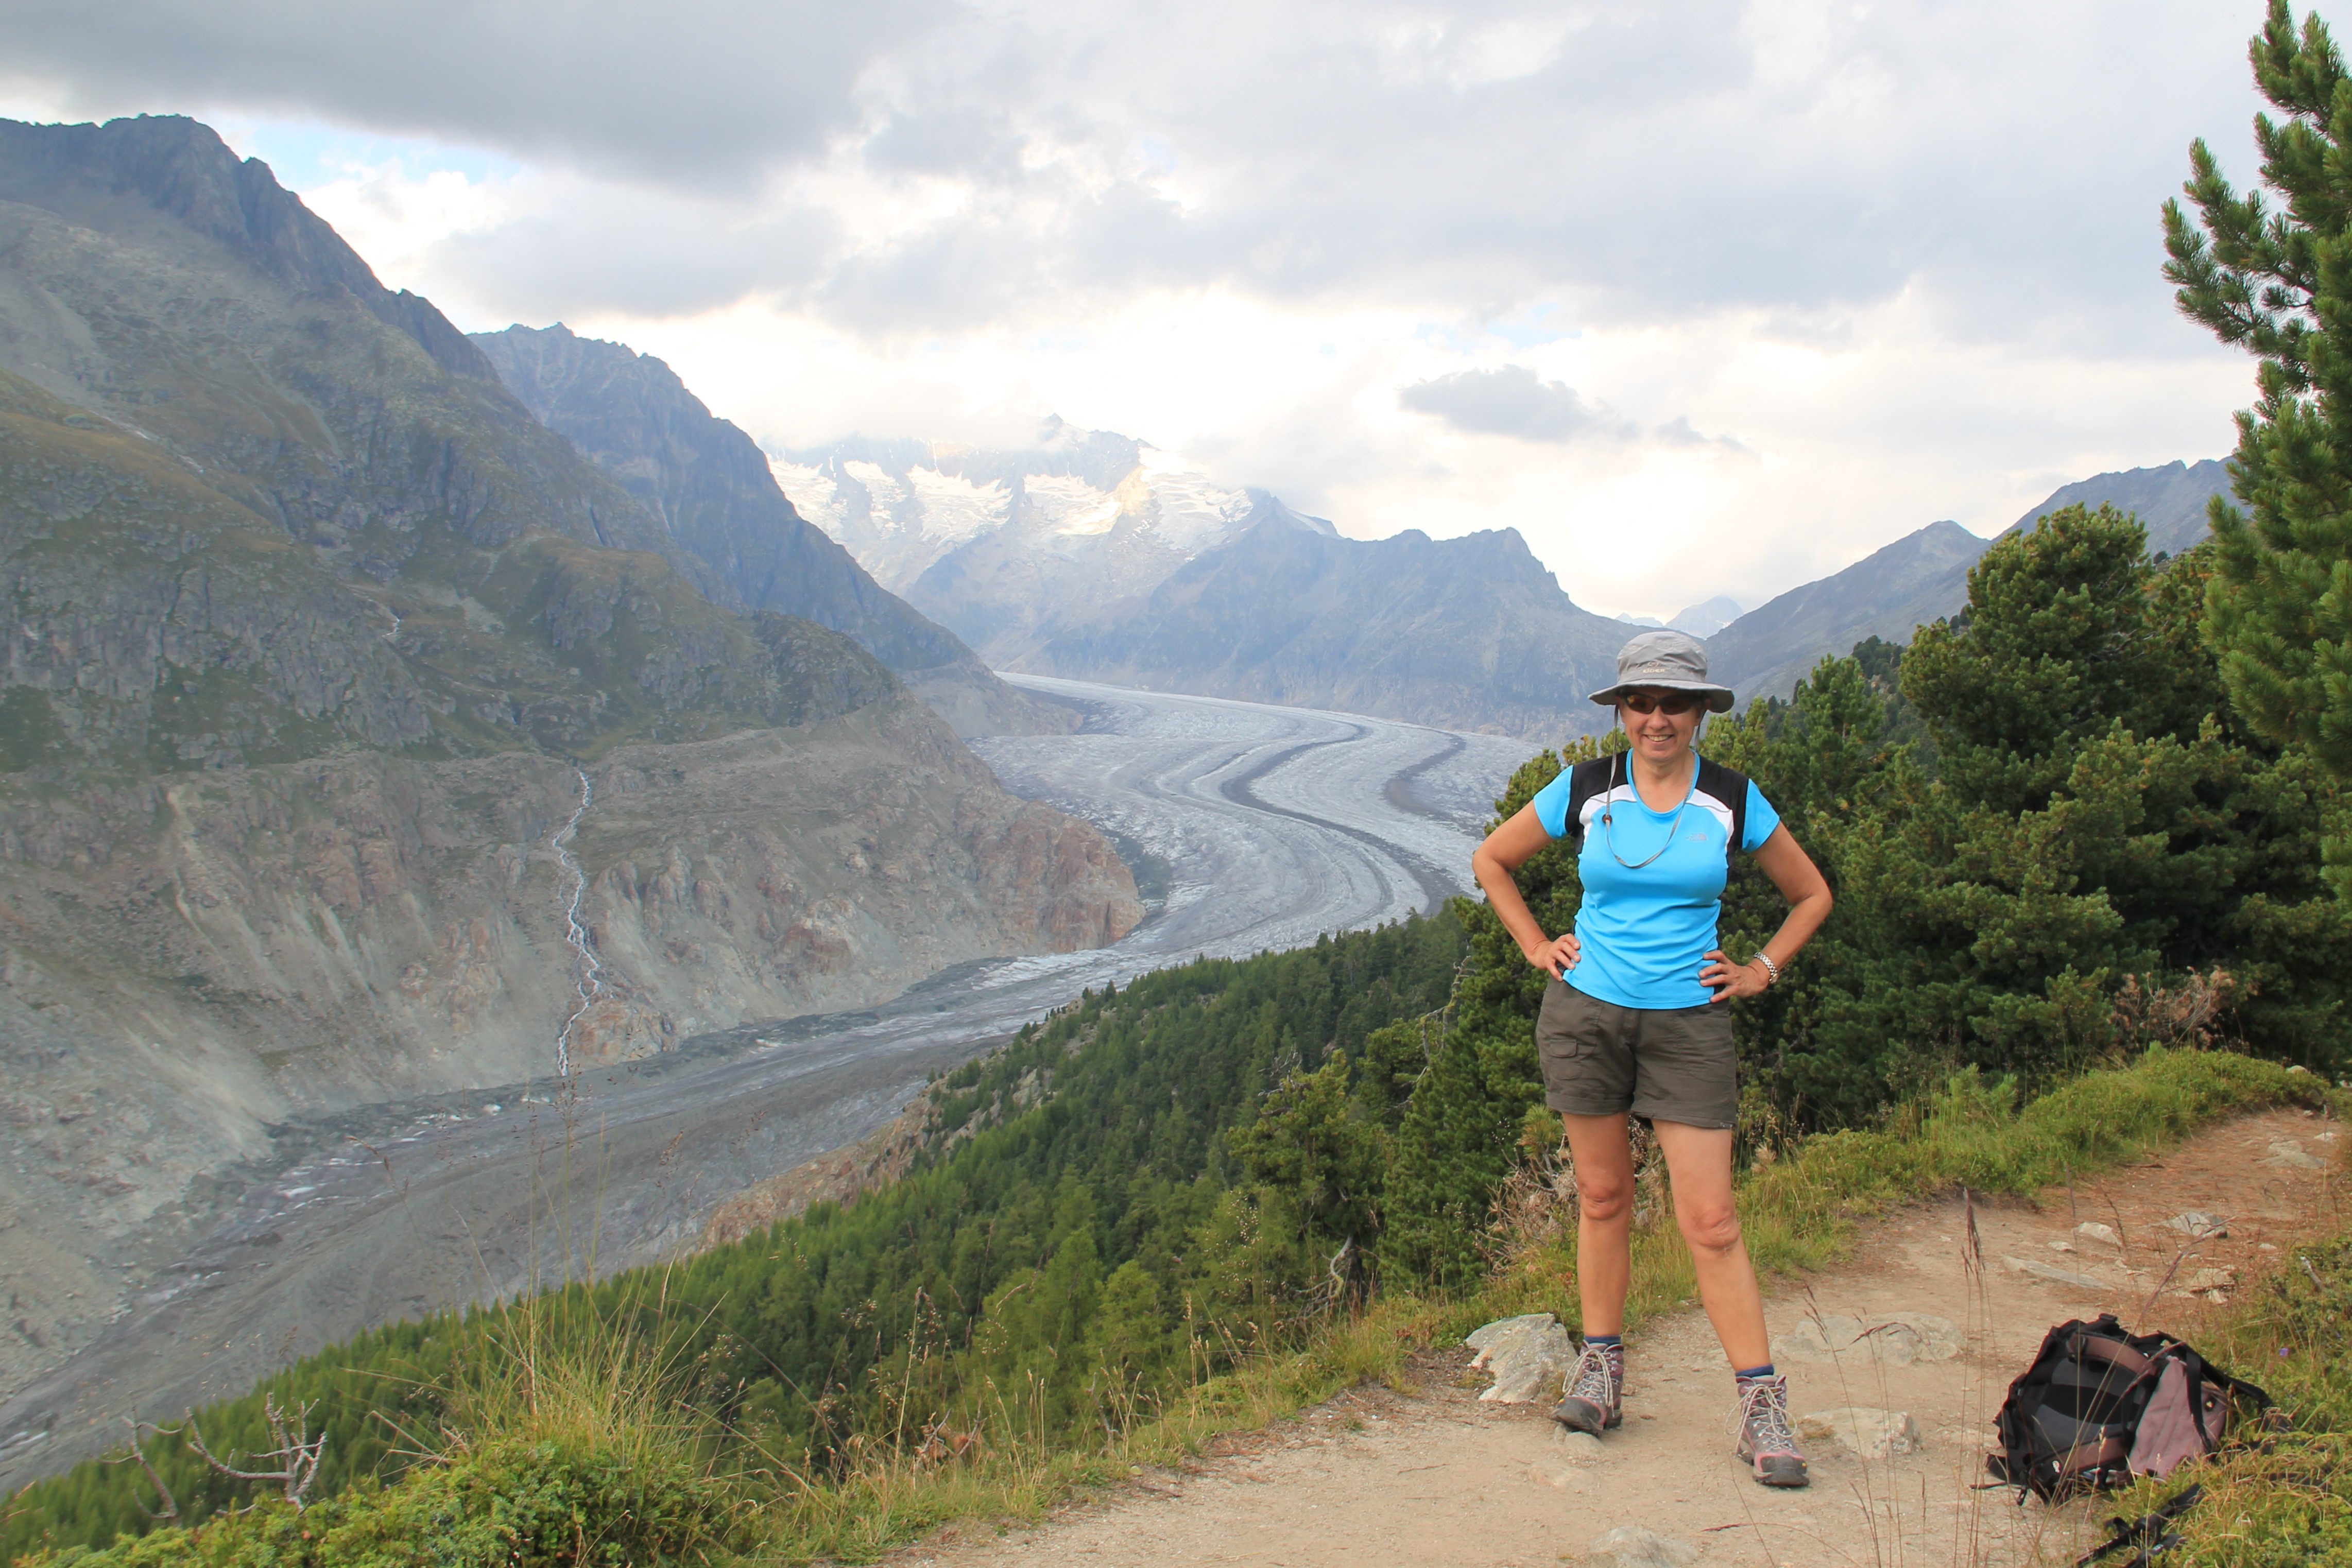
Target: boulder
1897, 1338
2198, 1225
2091, 1231
1632, 1546
2293, 1156
1529, 1356
1576, 1447
1860, 1429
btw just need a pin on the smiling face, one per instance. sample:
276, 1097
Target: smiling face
1658, 735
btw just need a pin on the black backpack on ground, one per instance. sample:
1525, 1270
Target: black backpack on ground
2099, 1406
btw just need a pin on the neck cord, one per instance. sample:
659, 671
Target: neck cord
1609, 825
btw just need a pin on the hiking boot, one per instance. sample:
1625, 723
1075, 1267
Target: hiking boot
1767, 1442
1594, 1389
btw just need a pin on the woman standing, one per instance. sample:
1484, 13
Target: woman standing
1632, 1021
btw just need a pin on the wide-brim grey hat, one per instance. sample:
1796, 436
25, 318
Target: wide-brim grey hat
1673, 660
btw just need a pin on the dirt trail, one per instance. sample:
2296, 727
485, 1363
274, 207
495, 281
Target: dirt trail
1441, 1478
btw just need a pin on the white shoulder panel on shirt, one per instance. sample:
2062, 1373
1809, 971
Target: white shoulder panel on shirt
1699, 798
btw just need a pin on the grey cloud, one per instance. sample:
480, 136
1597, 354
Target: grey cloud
960, 140
1677, 432
636, 252
2001, 163
1509, 401
687, 93
1512, 400
1654, 164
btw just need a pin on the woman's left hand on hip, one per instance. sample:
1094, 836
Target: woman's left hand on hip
1728, 979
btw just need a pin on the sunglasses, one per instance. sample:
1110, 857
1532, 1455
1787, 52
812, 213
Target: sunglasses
1674, 703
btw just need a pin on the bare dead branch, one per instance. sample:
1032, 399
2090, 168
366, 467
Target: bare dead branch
299, 1453
168, 1513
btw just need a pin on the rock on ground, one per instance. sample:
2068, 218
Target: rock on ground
1529, 1356
1632, 1546
1897, 1338
1872, 1433
2198, 1226
2049, 1274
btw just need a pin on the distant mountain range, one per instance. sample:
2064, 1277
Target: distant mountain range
319, 638
1923, 576
1095, 557
1700, 620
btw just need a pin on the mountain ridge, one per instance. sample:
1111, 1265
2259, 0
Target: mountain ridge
1034, 605
1470, 632
712, 488
1924, 576
2170, 499
1889, 593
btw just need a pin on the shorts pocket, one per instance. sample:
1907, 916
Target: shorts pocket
1564, 1024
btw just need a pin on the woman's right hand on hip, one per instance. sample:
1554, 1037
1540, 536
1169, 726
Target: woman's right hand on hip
1556, 956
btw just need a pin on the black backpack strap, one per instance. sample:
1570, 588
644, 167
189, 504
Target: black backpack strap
1588, 781
2149, 1532
2201, 1370
1730, 787
2256, 1398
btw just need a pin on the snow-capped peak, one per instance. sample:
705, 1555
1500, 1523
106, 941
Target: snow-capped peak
901, 506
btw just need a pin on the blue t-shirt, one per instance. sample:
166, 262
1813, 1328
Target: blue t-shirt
1645, 933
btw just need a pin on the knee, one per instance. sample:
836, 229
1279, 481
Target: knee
1603, 1201
1710, 1227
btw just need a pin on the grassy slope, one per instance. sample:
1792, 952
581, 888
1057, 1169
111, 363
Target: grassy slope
542, 1427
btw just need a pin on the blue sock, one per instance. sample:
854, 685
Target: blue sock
1605, 1341
1748, 1374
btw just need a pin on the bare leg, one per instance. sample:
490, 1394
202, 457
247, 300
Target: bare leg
1698, 1159
1604, 1218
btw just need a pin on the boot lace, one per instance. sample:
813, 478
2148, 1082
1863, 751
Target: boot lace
1596, 1378
1763, 1418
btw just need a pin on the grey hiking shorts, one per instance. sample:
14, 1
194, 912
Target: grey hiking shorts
1664, 1064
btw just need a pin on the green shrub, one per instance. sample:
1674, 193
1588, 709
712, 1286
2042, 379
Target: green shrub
2277, 1499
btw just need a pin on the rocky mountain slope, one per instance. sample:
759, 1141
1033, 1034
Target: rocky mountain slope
2170, 501
318, 640
1923, 576
1468, 632
1888, 593
711, 487
1007, 549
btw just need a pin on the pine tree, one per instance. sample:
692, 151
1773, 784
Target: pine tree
2278, 281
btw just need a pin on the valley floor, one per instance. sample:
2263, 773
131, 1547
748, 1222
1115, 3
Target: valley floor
1438, 1477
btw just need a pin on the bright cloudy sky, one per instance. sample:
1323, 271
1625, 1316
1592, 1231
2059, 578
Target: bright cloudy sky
1713, 297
